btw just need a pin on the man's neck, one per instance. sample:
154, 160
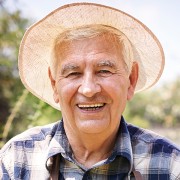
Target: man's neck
88, 149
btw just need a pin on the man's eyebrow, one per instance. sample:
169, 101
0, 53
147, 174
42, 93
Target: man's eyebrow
106, 63
68, 67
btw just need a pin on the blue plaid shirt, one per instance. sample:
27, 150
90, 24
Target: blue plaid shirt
29, 156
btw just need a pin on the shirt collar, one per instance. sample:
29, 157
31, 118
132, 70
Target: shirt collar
123, 145
59, 143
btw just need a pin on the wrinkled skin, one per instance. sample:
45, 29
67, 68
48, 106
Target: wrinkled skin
92, 86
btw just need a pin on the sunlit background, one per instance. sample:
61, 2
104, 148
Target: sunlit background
156, 109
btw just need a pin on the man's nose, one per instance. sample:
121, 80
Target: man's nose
89, 85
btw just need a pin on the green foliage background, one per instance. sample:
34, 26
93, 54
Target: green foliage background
22, 110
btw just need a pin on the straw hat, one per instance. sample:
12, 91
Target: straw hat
36, 46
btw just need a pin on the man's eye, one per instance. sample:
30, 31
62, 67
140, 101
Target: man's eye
73, 74
104, 72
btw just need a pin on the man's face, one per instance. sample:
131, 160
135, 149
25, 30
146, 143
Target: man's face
92, 85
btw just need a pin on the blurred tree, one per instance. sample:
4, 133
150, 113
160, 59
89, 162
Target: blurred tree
159, 107
166, 104
12, 26
19, 110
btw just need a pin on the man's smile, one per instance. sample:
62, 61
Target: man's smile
91, 107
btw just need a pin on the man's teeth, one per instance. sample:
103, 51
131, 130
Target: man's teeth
91, 105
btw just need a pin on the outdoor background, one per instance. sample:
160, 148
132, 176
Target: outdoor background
157, 109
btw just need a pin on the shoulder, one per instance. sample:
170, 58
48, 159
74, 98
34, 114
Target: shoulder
152, 152
26, 153
144, 136
30, 137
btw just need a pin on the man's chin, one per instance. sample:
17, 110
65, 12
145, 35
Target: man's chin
93, 126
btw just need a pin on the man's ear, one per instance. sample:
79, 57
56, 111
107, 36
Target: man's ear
53, 84
133, 80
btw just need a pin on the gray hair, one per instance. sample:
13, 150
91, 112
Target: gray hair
92, 31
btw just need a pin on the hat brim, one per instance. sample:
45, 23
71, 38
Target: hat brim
36, 46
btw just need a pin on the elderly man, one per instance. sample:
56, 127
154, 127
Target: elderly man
88, 60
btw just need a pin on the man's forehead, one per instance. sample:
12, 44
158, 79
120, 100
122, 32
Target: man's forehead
75, 48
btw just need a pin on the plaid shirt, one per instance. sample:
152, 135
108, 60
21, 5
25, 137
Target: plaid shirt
29, 156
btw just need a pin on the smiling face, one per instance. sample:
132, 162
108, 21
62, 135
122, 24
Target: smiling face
92, 84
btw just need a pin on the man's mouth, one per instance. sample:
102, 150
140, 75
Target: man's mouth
91, 107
